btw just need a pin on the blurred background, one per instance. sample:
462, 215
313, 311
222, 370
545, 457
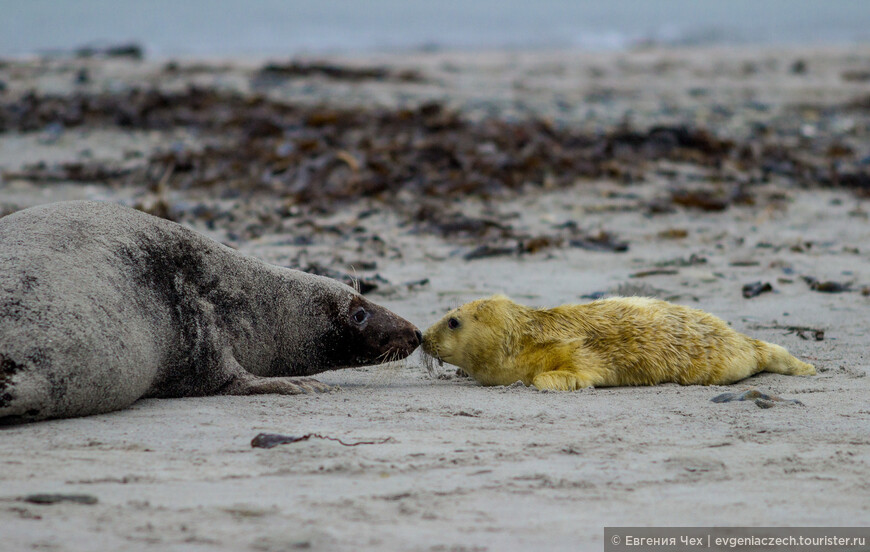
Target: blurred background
289, 27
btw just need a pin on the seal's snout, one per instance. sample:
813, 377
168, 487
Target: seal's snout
430, 352
379, 335
426, 343
411, 339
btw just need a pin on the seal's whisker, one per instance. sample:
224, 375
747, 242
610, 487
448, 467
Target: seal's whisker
389, 363
387, 356
430, 359
394, 355
354, 280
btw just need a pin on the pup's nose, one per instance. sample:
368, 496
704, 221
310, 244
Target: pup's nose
419, 336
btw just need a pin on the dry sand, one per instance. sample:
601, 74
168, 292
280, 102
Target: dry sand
474, 468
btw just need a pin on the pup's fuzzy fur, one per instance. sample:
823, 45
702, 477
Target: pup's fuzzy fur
610, 342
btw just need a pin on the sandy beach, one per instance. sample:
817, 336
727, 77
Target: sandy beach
438, 178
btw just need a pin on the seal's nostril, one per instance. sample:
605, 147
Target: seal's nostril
419, 335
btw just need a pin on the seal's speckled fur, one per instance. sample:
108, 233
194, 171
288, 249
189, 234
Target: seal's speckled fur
101, 305
611, 342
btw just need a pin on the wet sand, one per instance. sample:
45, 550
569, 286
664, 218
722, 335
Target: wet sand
715, 168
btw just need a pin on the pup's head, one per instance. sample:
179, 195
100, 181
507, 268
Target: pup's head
472, 335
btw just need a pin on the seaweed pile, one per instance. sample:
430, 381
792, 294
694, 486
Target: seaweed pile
419, 161
321, 156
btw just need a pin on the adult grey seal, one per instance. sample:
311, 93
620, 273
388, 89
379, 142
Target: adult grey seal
101, 305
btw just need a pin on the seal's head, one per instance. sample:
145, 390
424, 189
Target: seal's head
374, 335
473, 336
345, 329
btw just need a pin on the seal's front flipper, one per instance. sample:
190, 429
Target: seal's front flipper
241, 382
563, 380
249, 384
563, 366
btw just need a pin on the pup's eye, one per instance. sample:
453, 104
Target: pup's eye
453, 323
360, 316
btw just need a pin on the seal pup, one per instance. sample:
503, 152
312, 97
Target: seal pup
101, 305
609, 342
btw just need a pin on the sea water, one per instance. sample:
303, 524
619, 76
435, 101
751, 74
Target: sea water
292, 27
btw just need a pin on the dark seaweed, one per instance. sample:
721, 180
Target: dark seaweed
271, 440
755, 289
56, 498
801, 331
762, 400
602, 241
273, 74
827, 287
653, 272
320, 155
419, 160
484, 251
129, 50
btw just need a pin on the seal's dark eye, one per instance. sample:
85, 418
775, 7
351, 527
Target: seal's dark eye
453, 323
360, 316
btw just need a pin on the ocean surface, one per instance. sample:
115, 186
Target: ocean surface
292, 27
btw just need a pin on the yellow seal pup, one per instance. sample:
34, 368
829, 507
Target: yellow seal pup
610, 342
